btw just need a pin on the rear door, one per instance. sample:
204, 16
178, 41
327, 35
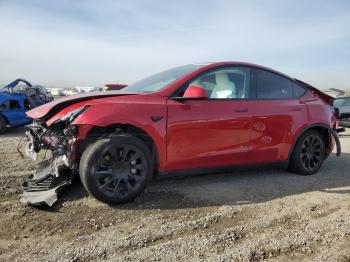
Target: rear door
278, 113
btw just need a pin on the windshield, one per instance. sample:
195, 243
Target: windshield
338, 102
163, 79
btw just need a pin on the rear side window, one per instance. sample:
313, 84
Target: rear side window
347, 102
273, 86
14, 105
298, 91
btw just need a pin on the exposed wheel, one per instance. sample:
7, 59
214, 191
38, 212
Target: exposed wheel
308, 154
3, 125
116, 169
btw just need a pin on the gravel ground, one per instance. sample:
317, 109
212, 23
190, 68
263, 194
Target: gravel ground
251, 215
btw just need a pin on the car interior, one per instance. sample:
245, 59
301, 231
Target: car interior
225, 84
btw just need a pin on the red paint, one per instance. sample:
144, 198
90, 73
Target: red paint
205, 132
195, 92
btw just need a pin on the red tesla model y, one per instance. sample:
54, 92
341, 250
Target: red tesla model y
192, 118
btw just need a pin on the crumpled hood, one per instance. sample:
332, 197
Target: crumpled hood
45, 111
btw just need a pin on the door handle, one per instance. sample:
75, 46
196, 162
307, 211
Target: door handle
296, 109
241, 110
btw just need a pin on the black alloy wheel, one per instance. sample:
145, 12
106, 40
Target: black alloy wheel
120, 170
117, 169
308, 154
311, 152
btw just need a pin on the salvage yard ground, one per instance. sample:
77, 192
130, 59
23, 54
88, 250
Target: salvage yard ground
245, 215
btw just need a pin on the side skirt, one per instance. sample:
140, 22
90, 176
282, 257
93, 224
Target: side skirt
221, 169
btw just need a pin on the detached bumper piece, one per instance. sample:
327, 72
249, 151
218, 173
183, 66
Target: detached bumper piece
43, 187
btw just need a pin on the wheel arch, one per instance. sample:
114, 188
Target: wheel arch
97, 132
323, 129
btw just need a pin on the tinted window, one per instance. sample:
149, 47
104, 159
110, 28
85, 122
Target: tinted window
298, 90
272, 86
14, 105
226, 83
347, 102
10, 105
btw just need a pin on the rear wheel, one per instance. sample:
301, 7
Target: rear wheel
308, 154
3, 125
117, 169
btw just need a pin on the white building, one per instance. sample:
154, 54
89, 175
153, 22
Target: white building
334, 92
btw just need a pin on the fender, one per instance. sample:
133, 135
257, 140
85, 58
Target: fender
301, 132
104, 115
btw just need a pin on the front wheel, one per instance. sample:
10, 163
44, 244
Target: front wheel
308, 154
116, 169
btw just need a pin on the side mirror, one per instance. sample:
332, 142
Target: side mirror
196, 92
192, 93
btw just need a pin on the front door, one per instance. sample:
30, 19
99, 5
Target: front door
215, 131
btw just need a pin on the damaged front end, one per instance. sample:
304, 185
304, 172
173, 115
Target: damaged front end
59, 169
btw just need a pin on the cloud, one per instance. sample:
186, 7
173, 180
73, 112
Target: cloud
94, 42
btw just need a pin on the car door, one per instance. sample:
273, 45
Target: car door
215, 131
14, 112
278, 112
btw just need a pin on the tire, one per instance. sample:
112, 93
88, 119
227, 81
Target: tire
308, 154
3, 125
116, 169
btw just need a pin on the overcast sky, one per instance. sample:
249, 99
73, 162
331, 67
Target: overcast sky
79, 42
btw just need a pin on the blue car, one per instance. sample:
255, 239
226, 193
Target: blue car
18, 97
13, 109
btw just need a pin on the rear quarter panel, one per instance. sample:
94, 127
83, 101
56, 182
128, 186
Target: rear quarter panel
319, 113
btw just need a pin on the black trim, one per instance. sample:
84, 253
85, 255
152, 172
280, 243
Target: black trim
253, 83
337, 141
221, 169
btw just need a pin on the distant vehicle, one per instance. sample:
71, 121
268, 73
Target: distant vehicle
57, 92
36, 95
48, 95
18, 97
109, 87
13, 109
342, 106
85, 89
70, 91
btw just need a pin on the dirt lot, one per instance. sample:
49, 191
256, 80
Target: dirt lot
248, 215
